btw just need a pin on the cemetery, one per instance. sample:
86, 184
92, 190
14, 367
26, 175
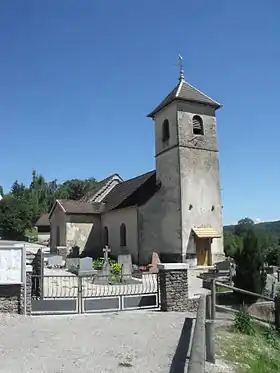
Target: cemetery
55, 283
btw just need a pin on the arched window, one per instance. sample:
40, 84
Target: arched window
123, 235
197, 125
165, 131
57, 241
106, 236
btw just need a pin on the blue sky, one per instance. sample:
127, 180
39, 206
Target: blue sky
77, 79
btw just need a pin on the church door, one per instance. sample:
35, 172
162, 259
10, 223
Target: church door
203, 249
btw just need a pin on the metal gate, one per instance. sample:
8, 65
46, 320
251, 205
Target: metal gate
70, 294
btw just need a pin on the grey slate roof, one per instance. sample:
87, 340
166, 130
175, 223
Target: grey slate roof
124, 190
43, 221
135, 191
185, 92
78, 207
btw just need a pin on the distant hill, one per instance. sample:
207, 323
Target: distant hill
271, 228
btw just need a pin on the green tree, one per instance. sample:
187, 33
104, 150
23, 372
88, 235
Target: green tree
250, 273
76, 189
15, 217
24, 204
243, 225
233, 244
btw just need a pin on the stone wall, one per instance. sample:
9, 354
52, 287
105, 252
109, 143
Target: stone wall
12, 297
173, 285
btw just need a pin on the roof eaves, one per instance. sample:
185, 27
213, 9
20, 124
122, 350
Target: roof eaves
215, 103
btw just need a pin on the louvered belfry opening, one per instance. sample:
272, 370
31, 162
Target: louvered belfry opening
197, 125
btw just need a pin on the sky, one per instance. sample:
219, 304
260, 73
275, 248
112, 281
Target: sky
77, 79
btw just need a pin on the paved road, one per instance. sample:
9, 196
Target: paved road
125, 342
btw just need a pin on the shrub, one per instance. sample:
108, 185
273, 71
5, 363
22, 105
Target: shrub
97, 263
271, 336
243, 323
116, 269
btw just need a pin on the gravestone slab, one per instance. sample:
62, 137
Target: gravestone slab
103, 275
85, 266
72, 264
223, 266
55, 261
153, 268
126, 262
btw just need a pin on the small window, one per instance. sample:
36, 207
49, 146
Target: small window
197, 125
106, 236
165, 130
123, 235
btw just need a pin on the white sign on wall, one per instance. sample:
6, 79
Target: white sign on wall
12, 264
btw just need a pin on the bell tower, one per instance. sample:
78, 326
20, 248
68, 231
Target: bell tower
187, 166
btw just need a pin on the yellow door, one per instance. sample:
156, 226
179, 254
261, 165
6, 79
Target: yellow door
202, 252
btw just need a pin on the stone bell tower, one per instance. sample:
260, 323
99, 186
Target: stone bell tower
187, 166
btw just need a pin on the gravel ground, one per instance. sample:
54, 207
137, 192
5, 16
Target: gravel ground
125, 342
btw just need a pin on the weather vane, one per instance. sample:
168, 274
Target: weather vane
181, 78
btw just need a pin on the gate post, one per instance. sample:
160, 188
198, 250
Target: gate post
173, 286
80, 295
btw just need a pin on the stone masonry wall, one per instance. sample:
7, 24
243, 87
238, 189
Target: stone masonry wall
173, 284
12, 297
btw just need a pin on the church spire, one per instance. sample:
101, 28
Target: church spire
181, 78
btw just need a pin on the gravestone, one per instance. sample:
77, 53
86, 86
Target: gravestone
106, 252
85, 266
55, 261
153, 268
126, 262
223, 266
103, 275
72, 264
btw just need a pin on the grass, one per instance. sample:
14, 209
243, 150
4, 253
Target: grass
222, 289
259, 353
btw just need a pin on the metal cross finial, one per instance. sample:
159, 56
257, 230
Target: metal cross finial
181, 78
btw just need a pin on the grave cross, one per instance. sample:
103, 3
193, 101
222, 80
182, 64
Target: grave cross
106, 252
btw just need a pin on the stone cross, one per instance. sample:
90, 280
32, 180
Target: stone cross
106, 252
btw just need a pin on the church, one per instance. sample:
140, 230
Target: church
174, 210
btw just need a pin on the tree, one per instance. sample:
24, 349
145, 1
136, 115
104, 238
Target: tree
243, 225
250, 273
24, 204
233, 244
1, 191
76, 189
15, 217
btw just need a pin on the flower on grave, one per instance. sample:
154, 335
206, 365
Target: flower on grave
142, 268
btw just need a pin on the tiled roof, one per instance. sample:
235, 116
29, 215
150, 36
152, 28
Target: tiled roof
78, 207
186, 92
43, 221
126, 189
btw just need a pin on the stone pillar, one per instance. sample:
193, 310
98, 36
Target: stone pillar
173, 286
25, 294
